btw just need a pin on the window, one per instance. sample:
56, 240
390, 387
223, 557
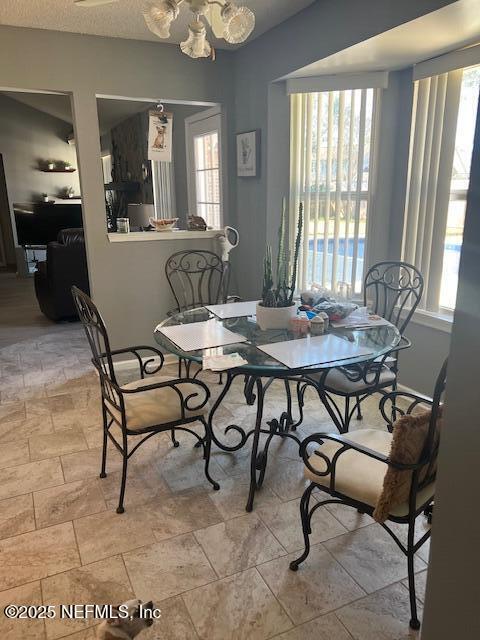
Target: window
207, 178
443, 127
204, 168
330, 172
462, 158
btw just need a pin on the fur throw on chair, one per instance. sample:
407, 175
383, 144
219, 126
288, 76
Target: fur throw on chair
408, 441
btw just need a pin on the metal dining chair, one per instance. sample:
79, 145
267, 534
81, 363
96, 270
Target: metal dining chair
151, 404
389, 475
392, 290
197, 278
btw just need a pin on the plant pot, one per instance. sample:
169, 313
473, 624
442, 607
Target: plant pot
275, 317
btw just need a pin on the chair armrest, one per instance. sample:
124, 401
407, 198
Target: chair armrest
143, 364
176, 384
416, 399
346, 445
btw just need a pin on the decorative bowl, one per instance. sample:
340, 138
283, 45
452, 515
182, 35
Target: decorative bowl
166, 224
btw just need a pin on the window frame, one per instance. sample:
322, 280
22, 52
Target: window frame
204, 123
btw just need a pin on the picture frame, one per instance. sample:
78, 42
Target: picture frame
248, 154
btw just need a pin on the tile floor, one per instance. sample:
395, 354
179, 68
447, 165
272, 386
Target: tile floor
215, 571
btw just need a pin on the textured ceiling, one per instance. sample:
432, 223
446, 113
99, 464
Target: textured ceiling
123, 19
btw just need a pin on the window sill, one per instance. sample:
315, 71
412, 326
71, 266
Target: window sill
438, 321
153, 236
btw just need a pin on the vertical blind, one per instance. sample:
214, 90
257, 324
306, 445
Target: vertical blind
432, 146
330, 151
164, 190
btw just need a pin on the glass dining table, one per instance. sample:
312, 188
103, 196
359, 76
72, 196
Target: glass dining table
261, 370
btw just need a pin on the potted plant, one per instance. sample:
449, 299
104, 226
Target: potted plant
50, 165
277, 307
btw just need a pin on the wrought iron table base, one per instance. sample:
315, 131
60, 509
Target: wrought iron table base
254, 391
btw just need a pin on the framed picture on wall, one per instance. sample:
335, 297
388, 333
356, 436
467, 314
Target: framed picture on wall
248, 154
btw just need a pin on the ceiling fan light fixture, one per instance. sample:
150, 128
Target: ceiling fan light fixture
196, 45
239, 23
159, 17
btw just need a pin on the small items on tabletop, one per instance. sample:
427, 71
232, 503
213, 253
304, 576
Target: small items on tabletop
317, 326
300, 324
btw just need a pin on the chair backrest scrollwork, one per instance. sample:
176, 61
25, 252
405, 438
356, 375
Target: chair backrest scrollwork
97, 337
393, 290
197, 278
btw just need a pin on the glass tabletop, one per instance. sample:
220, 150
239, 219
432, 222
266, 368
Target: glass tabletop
378, 340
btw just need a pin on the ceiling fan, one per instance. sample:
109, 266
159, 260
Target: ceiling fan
227, 20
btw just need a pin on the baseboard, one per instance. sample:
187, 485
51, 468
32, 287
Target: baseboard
405, 389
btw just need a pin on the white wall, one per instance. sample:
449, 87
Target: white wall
127, 280
451, 607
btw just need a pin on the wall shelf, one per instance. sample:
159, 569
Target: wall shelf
72, 170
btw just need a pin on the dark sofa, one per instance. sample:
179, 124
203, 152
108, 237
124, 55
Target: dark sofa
66, 265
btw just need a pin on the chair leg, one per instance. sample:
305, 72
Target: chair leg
103, 471
179, 367
414, 621
306, 528
120, 508
359, 409
207, 446
220, 379
346, 418
174, 440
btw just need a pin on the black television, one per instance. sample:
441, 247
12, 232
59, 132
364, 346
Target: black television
43, 223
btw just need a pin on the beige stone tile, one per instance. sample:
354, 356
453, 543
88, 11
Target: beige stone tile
21, 629
29, 428
29, 477
14, 453
233, 495
67, 502
48, 377
240, 607
174, 624
286, 478
94, 435
238, 544
320, 585
348, 516
104, 582
324, 628
16, 516
181, 513
77, 419
12, 412
55, 405
12, 382
371, 557
59, 443
167, 568
108, 533
383, 615
183, 468
87, 634
20, 394
38, 554
144, 482
87, 464
284, 522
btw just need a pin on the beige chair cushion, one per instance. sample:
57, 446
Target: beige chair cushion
336, 380
357, 476
408, 441
158, 406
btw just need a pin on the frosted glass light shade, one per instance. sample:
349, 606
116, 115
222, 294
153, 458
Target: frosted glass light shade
239, 23
160, 16
196, 45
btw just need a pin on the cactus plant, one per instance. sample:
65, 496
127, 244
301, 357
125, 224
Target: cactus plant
279, 291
